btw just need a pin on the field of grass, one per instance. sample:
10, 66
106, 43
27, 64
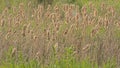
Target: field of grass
78, 34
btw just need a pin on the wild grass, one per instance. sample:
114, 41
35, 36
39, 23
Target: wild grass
60, 36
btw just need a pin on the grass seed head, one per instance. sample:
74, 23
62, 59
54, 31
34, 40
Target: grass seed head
13, 52
56, 8
84, 10
29, 3
95, 13
35, 37
65, 32
7, 35
21, 5
102, 6
2, 22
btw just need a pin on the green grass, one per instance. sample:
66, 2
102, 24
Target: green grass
67, 61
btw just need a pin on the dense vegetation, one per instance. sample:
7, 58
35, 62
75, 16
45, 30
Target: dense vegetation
60, 34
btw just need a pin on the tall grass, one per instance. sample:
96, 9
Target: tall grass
60, 36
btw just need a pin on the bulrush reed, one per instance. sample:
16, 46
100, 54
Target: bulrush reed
42, 29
